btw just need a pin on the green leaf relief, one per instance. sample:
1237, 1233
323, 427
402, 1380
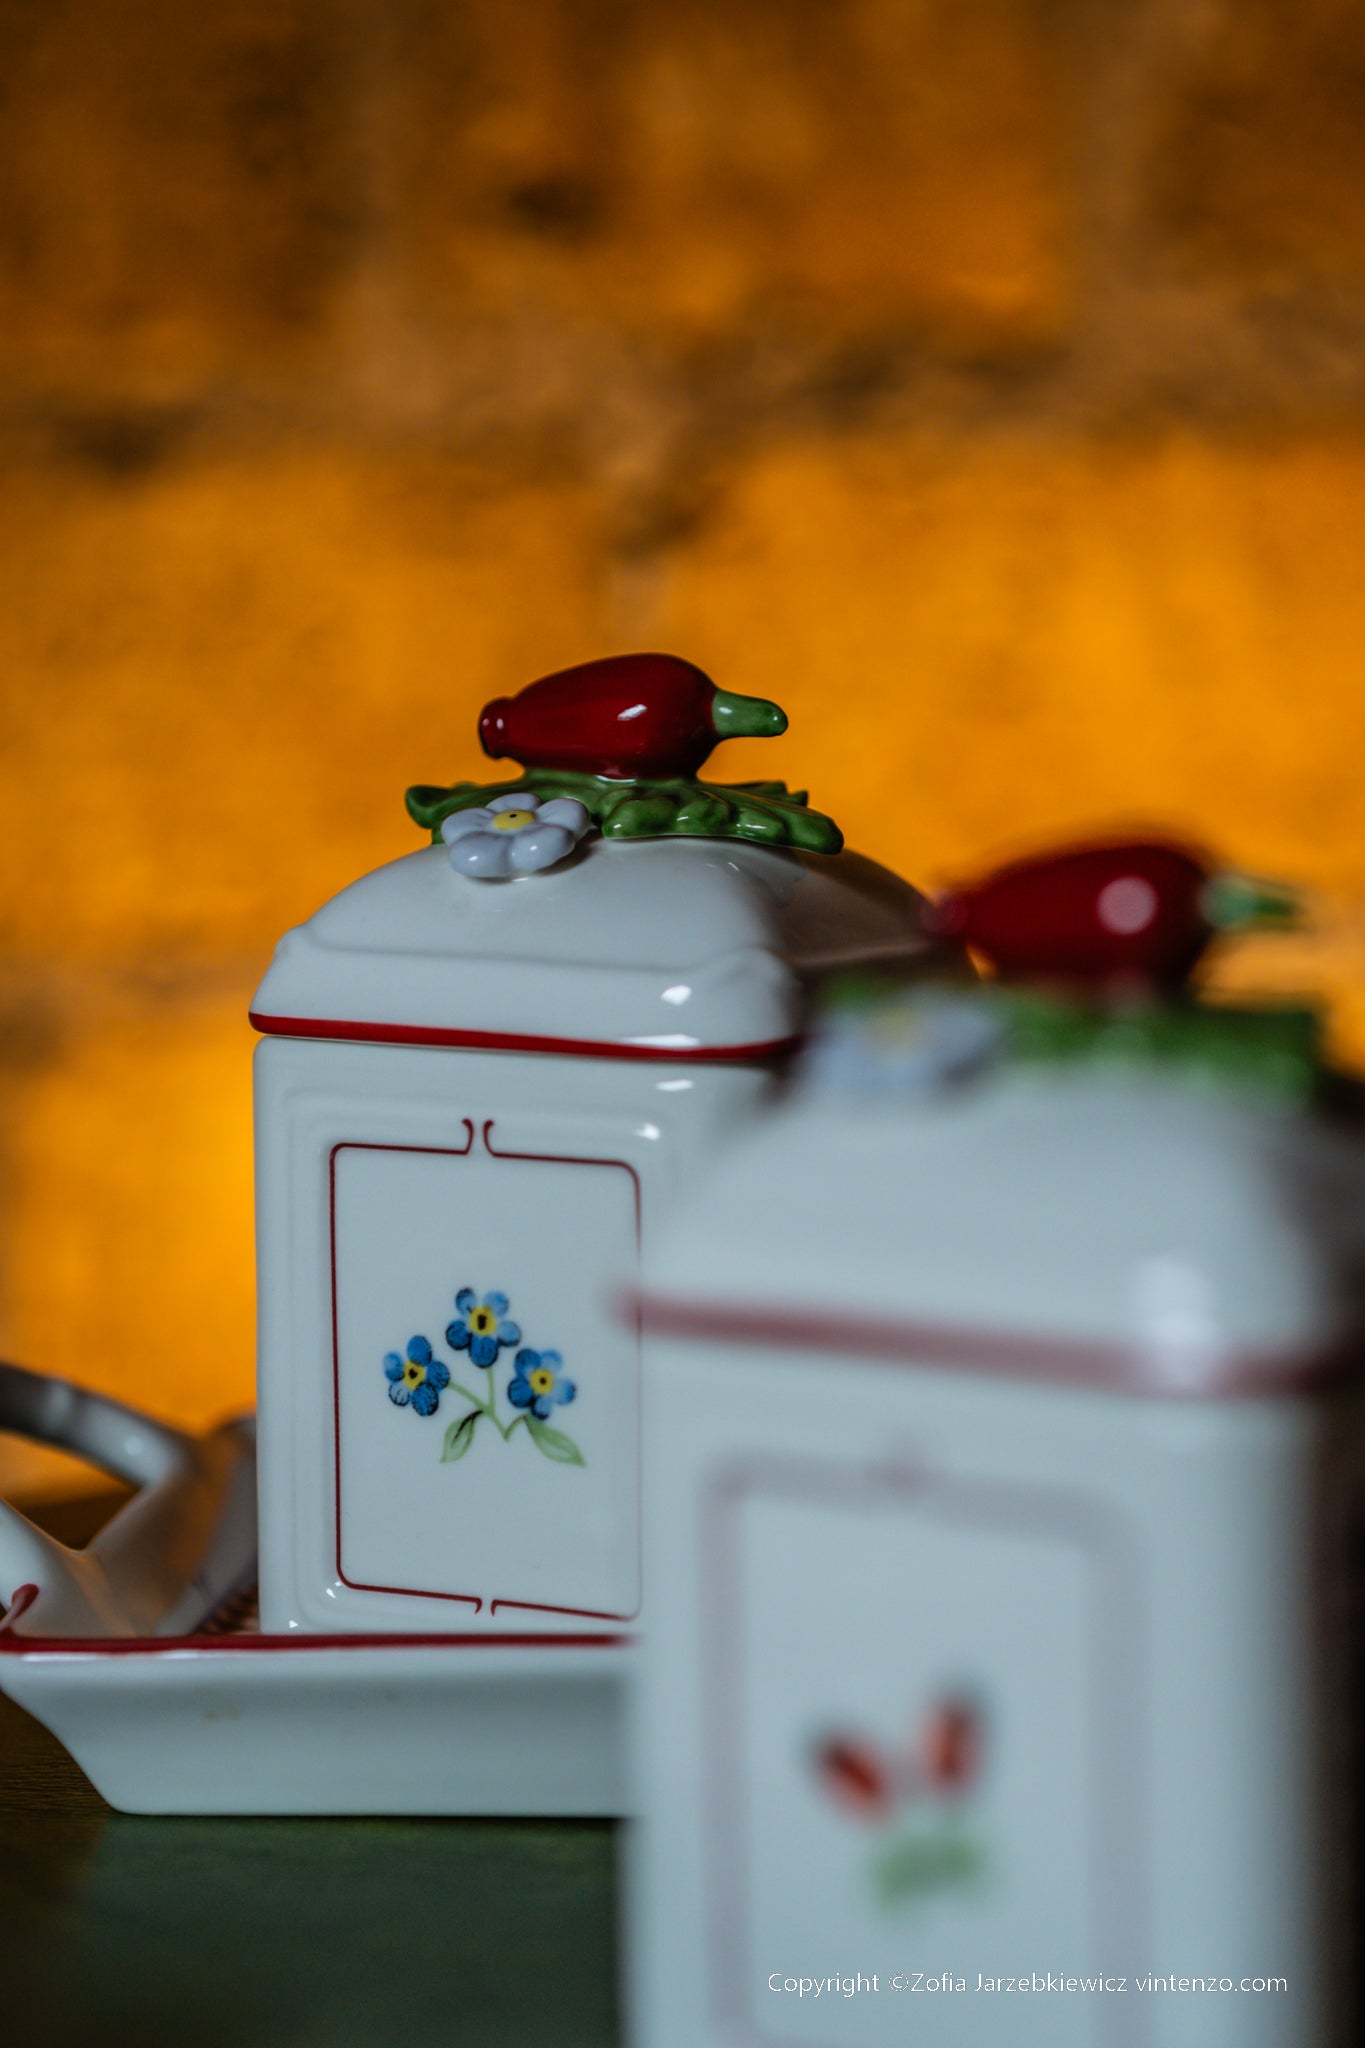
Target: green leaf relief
767, 813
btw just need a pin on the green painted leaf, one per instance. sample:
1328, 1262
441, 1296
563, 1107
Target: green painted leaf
459, 1436
554, 1443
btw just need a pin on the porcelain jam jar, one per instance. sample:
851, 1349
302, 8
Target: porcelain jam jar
1002, 1456
485, 1070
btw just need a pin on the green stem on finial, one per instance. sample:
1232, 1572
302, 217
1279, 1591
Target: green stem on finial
1239, 903
746, 717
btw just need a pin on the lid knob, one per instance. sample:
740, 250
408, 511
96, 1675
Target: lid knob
614, 746
1122, 910
630, 715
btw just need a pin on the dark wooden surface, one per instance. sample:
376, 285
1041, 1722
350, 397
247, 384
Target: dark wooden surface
310, 1933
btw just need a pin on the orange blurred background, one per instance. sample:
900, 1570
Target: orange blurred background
984, 379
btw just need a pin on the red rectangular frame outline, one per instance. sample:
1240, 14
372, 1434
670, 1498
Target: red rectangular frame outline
1116, 1626
464, 1152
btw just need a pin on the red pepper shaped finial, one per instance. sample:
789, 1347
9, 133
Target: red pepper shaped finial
632, 715
1124, 910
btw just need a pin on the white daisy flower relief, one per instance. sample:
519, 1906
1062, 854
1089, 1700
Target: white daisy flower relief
518, 834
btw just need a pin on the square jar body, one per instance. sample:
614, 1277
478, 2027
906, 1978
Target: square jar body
950, 1679
449, 1397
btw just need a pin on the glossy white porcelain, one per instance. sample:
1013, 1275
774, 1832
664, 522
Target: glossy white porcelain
390, 1179
237, 1725
671, 945
96, 1644
183, 1543
474, 1103
994, 1497
1105, 1209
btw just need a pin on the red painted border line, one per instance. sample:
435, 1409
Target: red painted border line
1068, 1361
13, 1645
509, 1041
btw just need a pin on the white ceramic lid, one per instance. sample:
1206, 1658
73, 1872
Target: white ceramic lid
674, 948
1139, 1232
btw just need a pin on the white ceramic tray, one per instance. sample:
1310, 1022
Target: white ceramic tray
142, 1654
239, 1722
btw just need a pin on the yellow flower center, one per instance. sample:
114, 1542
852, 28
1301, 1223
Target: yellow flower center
512, 821
542, 1379
483, 1322
413, 1375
